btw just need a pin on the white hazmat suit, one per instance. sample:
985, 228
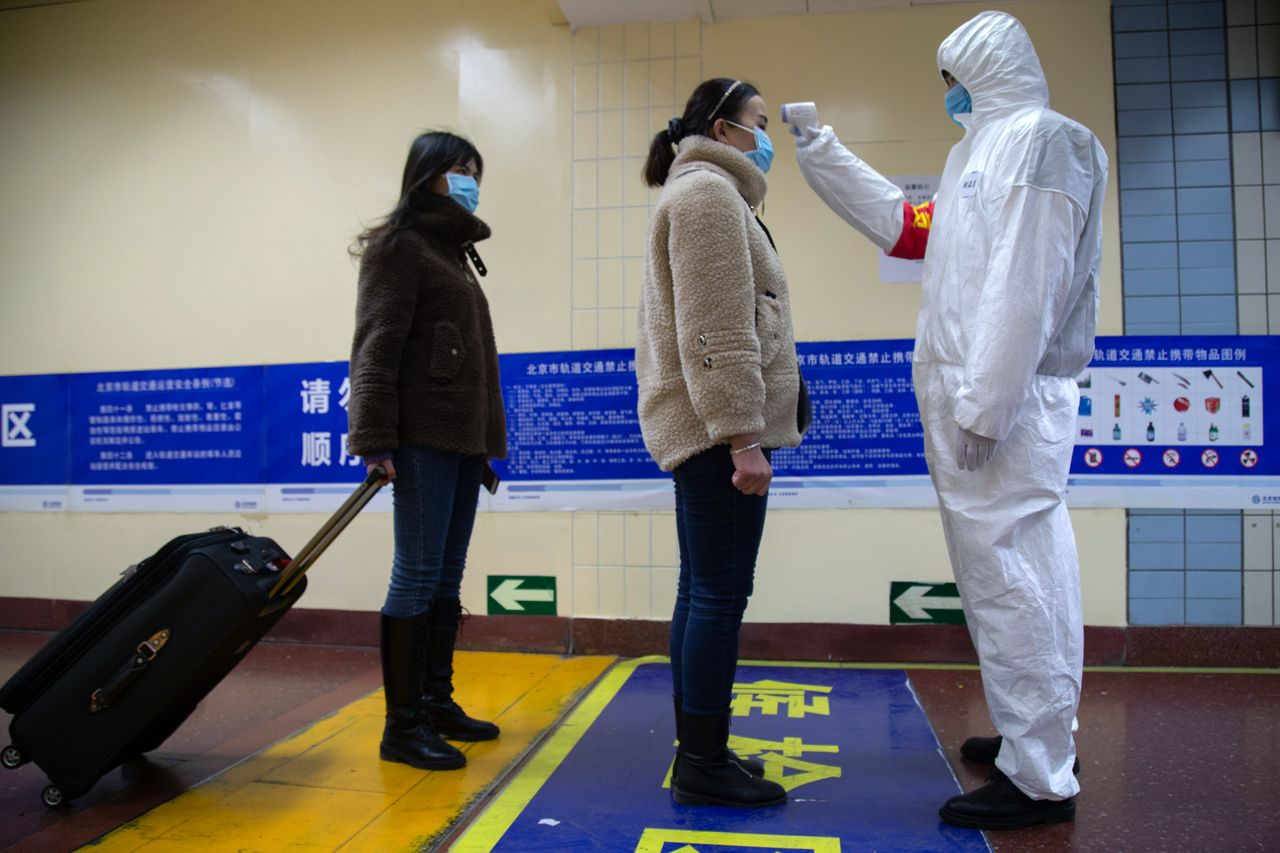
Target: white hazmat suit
1007, 321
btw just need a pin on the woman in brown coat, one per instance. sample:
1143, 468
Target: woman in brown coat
426, 404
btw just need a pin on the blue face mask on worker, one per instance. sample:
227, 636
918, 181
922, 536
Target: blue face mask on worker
762, 156
464, 190
958, 101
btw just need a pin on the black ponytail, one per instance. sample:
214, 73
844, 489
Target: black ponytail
719, 97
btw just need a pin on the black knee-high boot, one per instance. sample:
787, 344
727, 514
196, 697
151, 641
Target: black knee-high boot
437, 686
407, 737
707, 776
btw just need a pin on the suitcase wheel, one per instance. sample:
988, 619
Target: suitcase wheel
12, 758
52, 796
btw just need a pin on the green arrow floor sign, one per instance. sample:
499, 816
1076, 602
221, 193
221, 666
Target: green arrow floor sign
924, 604
528, 595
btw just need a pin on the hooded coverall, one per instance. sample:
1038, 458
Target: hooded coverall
1011, 246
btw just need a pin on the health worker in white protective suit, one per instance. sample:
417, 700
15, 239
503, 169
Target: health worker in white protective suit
1011, 247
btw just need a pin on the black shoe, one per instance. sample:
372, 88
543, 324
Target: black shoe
441, 711
985, 749
752, 766
407, 738
1000, 805
707, 777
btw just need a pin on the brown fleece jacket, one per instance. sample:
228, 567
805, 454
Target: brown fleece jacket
424, 366
715, 350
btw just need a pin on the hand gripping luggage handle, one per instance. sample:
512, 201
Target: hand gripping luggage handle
337, 523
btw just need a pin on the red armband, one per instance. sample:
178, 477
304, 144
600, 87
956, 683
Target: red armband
916, 222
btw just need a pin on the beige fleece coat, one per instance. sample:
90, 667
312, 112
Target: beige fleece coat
715, 350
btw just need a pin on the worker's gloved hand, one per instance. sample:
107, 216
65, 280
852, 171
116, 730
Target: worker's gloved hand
802, 120
973, 451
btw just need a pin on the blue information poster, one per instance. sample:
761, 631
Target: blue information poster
1164, 422
34, 456
167, 440
308, 465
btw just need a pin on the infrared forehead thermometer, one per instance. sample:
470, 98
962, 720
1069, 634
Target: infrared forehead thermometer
800, 114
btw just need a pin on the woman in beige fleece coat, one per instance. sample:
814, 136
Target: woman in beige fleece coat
718, 387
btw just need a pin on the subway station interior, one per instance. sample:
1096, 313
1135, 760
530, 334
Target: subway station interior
198, 358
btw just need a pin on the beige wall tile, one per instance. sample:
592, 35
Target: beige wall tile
688, 76
635, 228
610, 530
584, 183
611, 86
638, 135
611, 122
636, 84
584, 233
662, 85
688, 37
633, 281
611, 43
662, 39
585, 292
613, 593
629, 327
586, 45
610, 183
637, 40
613, 328
639, 601
611, 288
585, 136
1251, 266
586, 87
610, 232
1269, 48
585, 329
634, 191
1242, 52
1252, 314
1246, 160
586, 590
1249, 224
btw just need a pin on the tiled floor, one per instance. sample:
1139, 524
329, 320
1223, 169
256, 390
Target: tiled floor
1170, 760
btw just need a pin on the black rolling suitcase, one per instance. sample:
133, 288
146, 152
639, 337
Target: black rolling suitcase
123, 676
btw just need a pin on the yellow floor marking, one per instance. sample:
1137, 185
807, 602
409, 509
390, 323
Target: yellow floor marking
324, 789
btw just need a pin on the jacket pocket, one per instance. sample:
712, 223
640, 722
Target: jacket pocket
770, 326
447, 352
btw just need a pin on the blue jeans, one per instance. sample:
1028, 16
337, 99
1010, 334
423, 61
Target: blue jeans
435, 508
719, 529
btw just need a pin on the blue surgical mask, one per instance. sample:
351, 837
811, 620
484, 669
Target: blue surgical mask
958, 101
762, 155
464, 190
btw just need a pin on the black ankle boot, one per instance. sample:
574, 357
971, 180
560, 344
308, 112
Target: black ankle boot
707, 776
1000, 804
752, 766
984, 750
437, 685
407, 738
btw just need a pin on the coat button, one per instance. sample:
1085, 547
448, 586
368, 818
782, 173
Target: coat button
453, 352
702, 340
707, 361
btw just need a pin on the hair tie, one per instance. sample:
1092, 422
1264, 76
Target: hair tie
675, 129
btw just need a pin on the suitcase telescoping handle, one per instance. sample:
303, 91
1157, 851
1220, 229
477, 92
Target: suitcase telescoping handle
337, 523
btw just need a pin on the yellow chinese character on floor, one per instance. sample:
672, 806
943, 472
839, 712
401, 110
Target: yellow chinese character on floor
769, 696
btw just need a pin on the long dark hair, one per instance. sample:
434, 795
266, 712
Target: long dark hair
710, 101
431, 154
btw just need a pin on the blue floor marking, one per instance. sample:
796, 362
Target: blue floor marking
867, 775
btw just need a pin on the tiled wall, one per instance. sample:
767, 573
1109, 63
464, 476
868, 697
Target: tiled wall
1198, 121
628, 81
